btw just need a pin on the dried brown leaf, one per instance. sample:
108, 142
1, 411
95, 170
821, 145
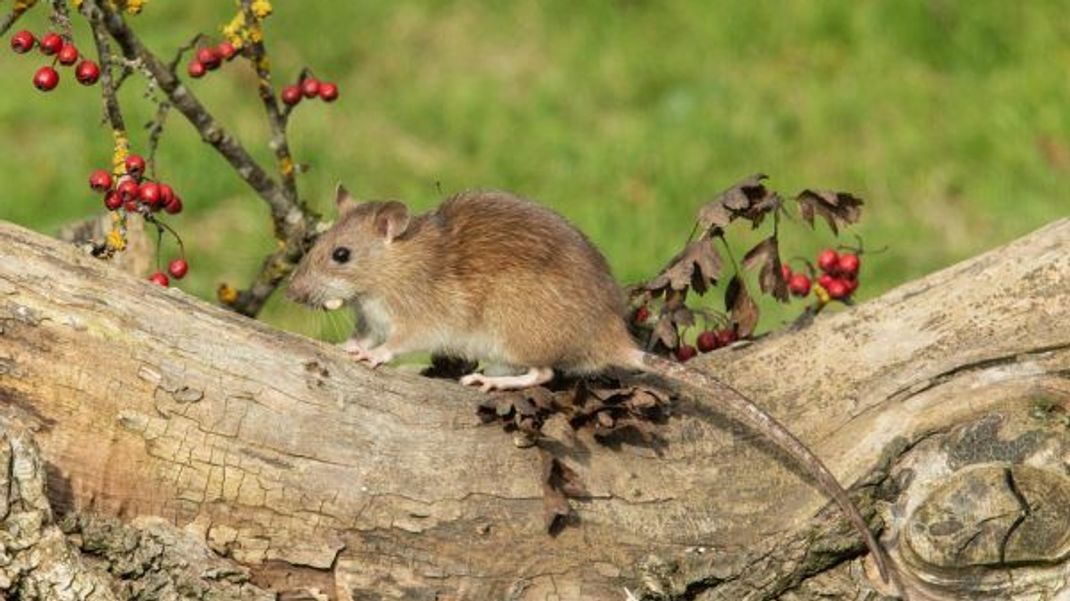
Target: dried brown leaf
697, 266
742, 307
748, 199
665, 332
766, 255
837, 208
559, 482
683, 317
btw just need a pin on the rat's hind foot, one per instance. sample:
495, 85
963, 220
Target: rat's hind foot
533, 377
374, 357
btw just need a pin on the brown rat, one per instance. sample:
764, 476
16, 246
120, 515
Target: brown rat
491, 277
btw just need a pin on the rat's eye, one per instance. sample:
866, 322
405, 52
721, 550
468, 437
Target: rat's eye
340, 255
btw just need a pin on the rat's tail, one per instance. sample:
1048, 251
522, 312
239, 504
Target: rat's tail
768, 426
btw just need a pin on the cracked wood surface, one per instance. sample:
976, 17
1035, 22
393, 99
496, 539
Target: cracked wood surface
286, 457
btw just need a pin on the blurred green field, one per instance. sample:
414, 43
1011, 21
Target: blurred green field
952, 120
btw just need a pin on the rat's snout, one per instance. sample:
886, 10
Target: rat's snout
299, 290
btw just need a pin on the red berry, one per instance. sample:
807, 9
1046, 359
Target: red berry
685, 353
160, 278
149, 193
46, 79
707, 341
22, 42
87, 73
726, 336
642, 314
785, 271
100, 180
175, 206
799, 284
167, 194
226, 50
852, 285
828, 260
291, 95
310, 87
131, 205
67, 55
127, 189
196, 69
824, 280
848, 265
51, 43
135, 166
837, 289
328, 92
113, 201
178, 268
209, 58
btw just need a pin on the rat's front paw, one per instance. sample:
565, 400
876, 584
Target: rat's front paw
354, 346
374, 358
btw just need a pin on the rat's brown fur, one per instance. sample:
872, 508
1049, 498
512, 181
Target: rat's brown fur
495, 278
487, 275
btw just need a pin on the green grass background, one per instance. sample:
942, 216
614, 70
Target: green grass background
952, 120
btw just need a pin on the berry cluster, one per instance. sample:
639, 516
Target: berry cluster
177, 268
838, 279
309, 87
133, 192
209, 58
63, 52
708, 340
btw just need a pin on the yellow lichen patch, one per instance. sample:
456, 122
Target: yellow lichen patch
132, 7
122, 150
821, 294
77, 4
286, 166
115, 239
234, 30
22, 5
261, 8
227, 294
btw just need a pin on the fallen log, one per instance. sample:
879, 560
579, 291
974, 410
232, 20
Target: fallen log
946, 400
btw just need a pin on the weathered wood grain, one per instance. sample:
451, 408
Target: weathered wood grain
283, 455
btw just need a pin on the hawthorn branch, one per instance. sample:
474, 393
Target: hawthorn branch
107, 82
187, 103
13, 15
277, 120
294, 224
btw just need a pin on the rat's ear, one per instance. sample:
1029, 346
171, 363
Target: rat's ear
343, 200
391, 220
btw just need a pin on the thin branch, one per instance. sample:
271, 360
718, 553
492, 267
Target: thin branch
61, 19
10, 18
183, 49
107, 82
294, 224
285, 214
277, 120
155, 127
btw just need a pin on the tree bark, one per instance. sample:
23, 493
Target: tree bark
277, 461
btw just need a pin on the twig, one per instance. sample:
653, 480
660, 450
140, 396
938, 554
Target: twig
61, 19
277, 120
183, 49
11, 17
211, 131
294, 224
155, 128
107, 83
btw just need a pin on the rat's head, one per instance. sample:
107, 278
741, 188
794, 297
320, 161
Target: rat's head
353, 257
